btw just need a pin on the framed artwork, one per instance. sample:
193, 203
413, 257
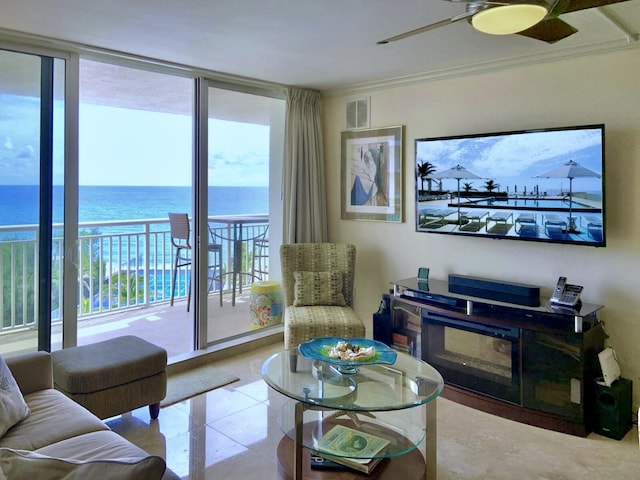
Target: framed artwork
372, 174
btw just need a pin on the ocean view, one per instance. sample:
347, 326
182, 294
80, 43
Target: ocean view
19, 203
19, 206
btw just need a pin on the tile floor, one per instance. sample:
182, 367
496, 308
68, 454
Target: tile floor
232, 433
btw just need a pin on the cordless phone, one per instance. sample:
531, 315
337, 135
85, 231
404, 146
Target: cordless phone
557, 293
571, 295
566, 294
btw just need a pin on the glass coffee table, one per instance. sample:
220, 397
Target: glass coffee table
394, 401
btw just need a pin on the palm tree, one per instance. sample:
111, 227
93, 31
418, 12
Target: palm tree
467, 187
425, 170
490, 186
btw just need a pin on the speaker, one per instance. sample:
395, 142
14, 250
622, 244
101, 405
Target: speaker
613, 409
517, 293
382, 324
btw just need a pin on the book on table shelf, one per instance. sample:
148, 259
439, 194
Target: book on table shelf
344, 463
321, 463
352, 448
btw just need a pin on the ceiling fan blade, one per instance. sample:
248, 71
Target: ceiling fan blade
426, 28
549, 30
575, 5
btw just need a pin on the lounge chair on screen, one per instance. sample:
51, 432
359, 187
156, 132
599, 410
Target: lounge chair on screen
472, 221
555, 225
594, 225
501, 223
527, 224
434, 217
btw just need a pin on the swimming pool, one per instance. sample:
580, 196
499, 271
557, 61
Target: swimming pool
526, 203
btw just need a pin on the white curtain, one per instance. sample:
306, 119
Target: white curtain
303, 173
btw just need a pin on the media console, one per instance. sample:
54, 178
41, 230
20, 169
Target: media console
532, 364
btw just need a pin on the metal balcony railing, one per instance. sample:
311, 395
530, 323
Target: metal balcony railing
121, 265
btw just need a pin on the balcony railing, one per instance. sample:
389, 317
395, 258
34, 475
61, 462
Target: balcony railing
121, 265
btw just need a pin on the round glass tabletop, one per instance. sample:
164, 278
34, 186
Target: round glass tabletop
406, 383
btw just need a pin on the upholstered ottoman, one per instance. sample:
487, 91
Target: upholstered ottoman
114, 376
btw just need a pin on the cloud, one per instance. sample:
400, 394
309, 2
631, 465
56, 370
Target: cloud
27, 152
8, 144
250, 168
522, 154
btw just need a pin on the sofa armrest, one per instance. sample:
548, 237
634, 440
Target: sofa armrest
32, 371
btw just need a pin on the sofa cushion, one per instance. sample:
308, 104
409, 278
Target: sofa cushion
318, 288
36, 466
53, 418
13, 407
103, 444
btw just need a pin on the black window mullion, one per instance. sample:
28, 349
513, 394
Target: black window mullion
46, 204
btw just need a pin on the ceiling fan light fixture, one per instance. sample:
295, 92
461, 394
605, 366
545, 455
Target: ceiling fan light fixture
508, 19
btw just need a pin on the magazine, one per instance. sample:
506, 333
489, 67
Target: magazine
359, 464
321, 463
353, 448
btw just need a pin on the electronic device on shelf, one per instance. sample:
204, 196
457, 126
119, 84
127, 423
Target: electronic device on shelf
423, 274
557, 293
566, 294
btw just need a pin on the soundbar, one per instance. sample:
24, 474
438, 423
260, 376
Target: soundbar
516, 293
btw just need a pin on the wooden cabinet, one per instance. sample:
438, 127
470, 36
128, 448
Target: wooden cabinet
536, 365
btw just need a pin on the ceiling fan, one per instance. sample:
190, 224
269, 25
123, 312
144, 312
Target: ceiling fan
536, 19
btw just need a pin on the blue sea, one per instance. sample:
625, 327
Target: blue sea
19, 204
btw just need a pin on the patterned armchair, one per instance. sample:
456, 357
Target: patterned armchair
318, 292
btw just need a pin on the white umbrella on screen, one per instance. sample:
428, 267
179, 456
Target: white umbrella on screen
570, 169
458, 173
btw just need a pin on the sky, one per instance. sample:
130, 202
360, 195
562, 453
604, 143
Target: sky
516, 160
132, 147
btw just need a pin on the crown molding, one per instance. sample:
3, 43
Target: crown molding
486, 67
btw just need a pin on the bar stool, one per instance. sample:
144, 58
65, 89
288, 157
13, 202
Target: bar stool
260, 259
180, 239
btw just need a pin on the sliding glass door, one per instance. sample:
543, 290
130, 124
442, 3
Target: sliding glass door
94, 156
135, 167
32, 108
244, 156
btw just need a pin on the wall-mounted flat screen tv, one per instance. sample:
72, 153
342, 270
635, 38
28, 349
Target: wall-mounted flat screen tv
543, 185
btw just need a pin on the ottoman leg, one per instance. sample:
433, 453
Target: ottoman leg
154, 410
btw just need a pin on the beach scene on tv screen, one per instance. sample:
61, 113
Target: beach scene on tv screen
542, 185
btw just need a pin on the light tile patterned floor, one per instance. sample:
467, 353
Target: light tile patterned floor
232, 433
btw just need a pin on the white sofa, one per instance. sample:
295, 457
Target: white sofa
61, 439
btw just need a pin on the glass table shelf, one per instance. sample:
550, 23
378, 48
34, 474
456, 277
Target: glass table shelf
393, 401
404, 429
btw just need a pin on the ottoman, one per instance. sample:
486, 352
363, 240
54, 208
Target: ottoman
114, 376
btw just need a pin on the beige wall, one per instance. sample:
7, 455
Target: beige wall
596, 89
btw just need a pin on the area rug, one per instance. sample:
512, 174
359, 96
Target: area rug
189, 383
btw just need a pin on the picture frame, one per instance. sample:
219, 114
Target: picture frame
372, 161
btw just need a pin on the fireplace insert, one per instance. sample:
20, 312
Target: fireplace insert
483, 358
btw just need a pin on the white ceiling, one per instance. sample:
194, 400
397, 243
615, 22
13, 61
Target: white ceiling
323, 44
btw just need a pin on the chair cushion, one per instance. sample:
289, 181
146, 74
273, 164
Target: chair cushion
305, 323
35, 466
318, 288
13, 407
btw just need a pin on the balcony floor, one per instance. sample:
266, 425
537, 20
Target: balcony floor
162, 324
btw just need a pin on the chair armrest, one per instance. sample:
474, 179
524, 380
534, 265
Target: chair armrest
32, 371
